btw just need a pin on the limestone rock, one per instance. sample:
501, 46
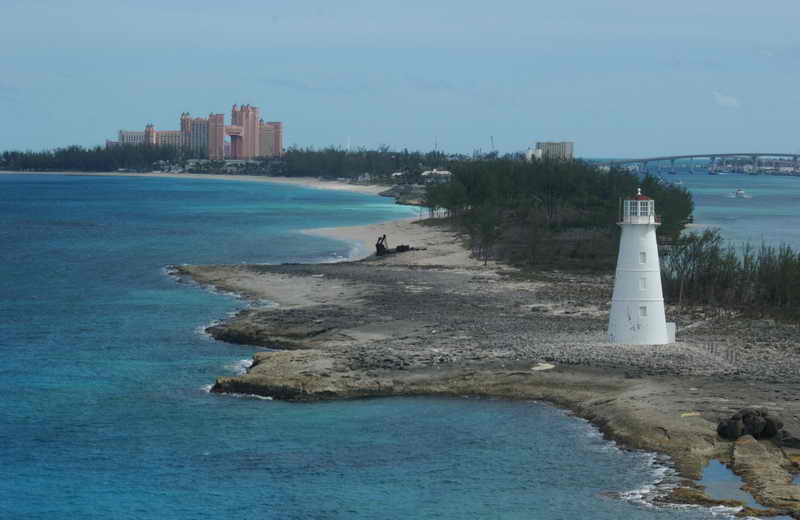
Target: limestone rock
749, 421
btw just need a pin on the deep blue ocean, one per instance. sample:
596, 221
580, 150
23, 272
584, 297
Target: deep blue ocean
105, 410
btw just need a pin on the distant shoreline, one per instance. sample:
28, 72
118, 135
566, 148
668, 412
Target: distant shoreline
361, 237
306, 182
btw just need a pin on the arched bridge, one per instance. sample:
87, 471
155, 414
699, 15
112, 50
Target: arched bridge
753, 156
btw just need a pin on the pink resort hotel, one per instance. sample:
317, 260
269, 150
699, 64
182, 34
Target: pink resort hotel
250, 136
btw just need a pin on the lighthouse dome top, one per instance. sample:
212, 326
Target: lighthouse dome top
639, 210
639, 196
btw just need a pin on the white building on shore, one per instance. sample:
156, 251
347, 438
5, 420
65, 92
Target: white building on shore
637, 306
558, 150
436, 176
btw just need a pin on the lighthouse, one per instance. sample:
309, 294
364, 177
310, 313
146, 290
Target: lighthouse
637, 306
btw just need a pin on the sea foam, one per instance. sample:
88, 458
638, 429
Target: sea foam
240, 367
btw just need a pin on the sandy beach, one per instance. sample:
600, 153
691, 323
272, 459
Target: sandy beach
307, 182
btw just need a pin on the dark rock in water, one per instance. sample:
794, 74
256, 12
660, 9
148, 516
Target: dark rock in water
749, 421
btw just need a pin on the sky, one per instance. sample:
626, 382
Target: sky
620, 78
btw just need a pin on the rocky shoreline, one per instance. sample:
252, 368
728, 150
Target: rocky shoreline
422, 323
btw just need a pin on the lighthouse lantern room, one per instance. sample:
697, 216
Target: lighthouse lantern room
637, 306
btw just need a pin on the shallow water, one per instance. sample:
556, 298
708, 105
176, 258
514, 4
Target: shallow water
105, 407
721, 484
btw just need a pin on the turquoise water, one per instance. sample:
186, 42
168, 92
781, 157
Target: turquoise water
770, 215
105, 411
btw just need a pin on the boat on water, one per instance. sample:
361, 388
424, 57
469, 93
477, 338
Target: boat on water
740, 194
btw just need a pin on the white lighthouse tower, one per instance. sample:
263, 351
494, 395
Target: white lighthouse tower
637, 307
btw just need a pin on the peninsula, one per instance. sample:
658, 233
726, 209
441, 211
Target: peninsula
437, 322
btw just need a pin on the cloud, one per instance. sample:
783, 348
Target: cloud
725, 100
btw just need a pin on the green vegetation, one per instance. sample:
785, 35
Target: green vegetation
336, 163
329, 162
700, 270
549, 213
97, 159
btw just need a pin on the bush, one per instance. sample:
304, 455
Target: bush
699, 270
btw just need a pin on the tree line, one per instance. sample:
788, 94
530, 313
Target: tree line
700, 269
98, 159
340, 163
549, 212
296, 162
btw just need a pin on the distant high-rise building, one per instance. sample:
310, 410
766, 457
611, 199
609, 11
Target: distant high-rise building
560, 150
271, 139
216, 136
150, 136
265, 134
198, 138
173, 138
127, 137
277, 137
186, 130
245, 139
250, 136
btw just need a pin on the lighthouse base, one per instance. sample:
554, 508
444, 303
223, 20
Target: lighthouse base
632, 323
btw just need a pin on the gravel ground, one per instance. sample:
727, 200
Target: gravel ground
412, 316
